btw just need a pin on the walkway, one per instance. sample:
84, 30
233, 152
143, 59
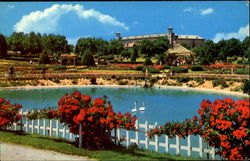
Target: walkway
11, 152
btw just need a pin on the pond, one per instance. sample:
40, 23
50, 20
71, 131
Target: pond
161, 104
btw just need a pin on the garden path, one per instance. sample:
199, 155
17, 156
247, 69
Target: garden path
19, 153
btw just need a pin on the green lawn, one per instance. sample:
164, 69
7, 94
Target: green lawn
67, 147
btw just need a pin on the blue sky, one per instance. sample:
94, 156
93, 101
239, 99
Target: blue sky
213, 20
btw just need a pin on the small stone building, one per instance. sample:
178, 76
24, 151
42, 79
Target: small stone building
68, 59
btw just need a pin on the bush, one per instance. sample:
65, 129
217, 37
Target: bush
9, 113
153, 70
166, 66
183, 79
196, 68
44, 57
87, 58
221, 82
93, 80
199, 80
179, 70
60, 67
139, 68
246, 86
41, 67
148, 61
241, 71
97, 118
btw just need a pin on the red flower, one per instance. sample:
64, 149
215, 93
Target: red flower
98, 102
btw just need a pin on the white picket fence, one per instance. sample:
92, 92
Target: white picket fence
119, 137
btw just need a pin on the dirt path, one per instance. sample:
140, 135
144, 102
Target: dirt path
11, 152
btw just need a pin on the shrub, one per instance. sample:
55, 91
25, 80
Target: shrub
199, 80
221, 82
183, 79
41, 66
93, 80
121, 82
153, 70
166, 66
148, 61
246, 86
196, 68
87, 58
60, 67
180, 70
139, 68
44, 57
9, 113
97, 118
241, 71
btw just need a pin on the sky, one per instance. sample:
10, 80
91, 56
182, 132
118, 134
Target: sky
213, 20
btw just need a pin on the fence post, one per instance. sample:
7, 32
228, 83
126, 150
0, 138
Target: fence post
27, 123
21, 120
127, 138
80, 135
177, 145
57, 128
213, 153
32, 126
44, 127
115, 135
200, 146
50, 127
156, 140
146, 135
166, 143
118, 135
189, 145
136, 132
64, 131
38, 126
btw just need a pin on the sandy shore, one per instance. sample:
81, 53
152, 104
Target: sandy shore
224, 92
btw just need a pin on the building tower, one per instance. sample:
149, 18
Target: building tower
170, 36
118, 36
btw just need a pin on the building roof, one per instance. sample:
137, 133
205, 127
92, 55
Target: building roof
160, 35
180, 50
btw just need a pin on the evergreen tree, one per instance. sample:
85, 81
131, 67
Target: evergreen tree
3, 46
87, 58
44, 57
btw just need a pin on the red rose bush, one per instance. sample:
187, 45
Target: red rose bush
224, 124
97, 118
9, 113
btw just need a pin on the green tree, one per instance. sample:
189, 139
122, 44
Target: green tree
161, 45
147, 47
161, 59
126, 53
15, 42
3, 46
115, 47
148, 61
186, 45
87, 58
44, 57
134, 55
233, 47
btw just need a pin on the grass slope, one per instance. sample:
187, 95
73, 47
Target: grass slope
67, 147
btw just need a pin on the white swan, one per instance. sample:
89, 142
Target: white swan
142, 108
134, 109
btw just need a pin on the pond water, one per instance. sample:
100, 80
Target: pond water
161, 104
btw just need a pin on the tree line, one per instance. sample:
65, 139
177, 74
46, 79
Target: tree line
224, 50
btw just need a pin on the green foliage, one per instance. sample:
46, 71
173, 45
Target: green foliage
148, 61
221, 82
152, 70
161, 59
196, 68
139, 68
41, 66
166, 66
241, 71
44, 57
179, 70
60, 67
199, 80
183, 79
133, 57
3, 46
87, 58
246, 86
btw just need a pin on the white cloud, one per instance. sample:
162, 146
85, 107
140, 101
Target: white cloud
47, 20
241, 34
10, 6
207, 11
189, 9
